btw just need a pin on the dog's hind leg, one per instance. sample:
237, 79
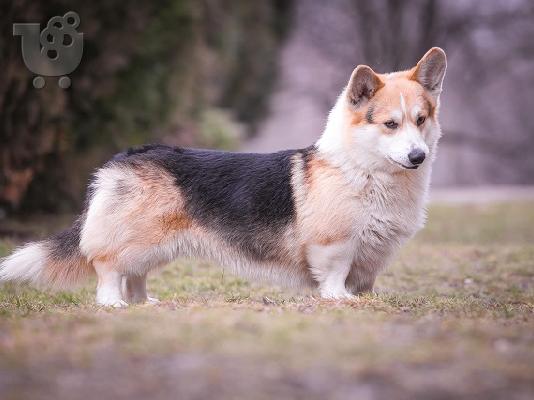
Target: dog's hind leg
134, 289
108, 290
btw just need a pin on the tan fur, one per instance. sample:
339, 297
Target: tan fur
387, 99
66, 273
149, 213
325, 186
175, 221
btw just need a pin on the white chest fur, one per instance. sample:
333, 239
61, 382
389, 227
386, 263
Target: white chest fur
392, 208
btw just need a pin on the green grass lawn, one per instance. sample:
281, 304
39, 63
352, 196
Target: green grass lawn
453, 317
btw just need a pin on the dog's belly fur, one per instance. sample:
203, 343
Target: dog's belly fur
273, 216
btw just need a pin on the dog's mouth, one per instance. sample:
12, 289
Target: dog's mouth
402, 165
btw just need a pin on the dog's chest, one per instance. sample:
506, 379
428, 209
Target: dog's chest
383, 218
365, 218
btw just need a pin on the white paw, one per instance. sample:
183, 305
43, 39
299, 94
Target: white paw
120, 304
152, 300
113, 303
337, 295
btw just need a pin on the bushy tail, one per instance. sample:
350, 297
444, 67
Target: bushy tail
55, 263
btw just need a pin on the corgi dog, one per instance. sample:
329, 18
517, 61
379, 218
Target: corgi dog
329, 216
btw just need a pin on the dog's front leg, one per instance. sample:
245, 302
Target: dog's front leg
361, 280
330, 265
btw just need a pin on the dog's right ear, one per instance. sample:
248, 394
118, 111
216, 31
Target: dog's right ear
363, 85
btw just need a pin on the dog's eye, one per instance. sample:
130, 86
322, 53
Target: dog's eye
391, 125
421, 120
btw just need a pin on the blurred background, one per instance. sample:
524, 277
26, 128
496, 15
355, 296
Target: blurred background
255, 76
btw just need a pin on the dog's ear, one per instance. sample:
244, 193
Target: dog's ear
430, 70
363, 85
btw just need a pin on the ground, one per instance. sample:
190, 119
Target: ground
453, 317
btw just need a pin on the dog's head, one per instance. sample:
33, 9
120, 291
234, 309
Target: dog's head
390, 120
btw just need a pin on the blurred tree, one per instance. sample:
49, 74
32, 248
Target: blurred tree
151, 71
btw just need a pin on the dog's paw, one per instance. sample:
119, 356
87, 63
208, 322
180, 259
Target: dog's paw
113, 303
338, 295
120, 304
152, 300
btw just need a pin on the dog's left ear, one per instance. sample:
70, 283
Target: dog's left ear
430, 70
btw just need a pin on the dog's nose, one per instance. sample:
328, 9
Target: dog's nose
416, 156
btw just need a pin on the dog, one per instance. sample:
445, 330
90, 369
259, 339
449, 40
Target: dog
329, 216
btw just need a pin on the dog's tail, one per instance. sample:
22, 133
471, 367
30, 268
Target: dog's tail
54, 263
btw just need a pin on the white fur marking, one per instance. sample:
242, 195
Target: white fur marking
396, 115
330, 266
403, 106
108, 290
415, 111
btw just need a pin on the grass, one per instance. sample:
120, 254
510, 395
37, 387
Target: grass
453, 318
